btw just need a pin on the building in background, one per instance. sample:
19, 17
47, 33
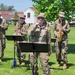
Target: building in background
20, 13
30, 15
7, 15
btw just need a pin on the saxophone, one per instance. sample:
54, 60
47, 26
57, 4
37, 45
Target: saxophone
60, 33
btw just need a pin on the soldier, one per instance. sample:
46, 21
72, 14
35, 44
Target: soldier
3, 28
21, 29
40, 32
61, 30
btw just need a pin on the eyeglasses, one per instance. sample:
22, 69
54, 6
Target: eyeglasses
61, 17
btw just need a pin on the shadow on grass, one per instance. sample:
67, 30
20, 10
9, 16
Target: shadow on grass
27, 65
51, 63
71, 48
70, 64
6, 59
60, 68
52, 68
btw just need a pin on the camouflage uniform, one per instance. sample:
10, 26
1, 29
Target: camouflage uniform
21, 29
3, 28
61, 46
40, 34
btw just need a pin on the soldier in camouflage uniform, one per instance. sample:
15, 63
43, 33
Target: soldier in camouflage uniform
21, 29
40, 32
3, 28
61, 30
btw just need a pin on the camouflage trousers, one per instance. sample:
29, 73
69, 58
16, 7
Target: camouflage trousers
20, 55
61, 51
2, 47
44, 62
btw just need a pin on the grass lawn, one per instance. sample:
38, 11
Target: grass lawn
6, 65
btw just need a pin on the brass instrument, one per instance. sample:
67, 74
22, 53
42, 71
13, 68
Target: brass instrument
60, 33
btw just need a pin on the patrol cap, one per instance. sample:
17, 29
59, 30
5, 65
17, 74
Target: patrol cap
61, 14
41, 15
22, 16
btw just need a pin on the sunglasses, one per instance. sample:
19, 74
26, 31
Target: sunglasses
61, 17
40, 18
22, 18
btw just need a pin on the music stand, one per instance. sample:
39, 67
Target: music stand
34, 47
14, 38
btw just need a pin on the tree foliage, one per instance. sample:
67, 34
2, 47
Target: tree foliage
15, 16
5, 7
51, 8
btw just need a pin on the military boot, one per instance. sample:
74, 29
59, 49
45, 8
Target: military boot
58, 65
0, 60
64, 66
18, 63
23, 63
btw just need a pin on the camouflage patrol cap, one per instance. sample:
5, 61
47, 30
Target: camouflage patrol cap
22, 16
41, 15
61, 14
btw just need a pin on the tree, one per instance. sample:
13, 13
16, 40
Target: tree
51, 8
2, 7
15, 16
5, 7
11, 8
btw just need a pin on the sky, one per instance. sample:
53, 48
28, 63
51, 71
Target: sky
19, 5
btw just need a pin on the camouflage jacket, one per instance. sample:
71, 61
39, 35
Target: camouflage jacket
40, 34
66, 28
3, 26
21, 29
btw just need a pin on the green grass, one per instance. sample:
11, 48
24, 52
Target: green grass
5, 66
